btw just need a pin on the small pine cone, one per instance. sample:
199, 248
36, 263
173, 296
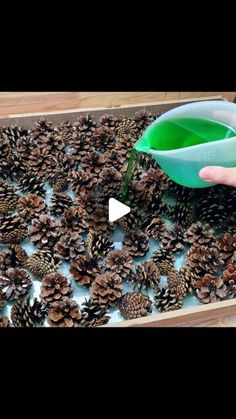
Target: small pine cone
226, 245
231, 289
17, 255
173, 239
132, 221
87, 201
58, 181
93, 315
155, 229
4, 321
44, 231
84, 270
41, 263
165, 300
134, 305
114, 159
199, 234
177, 284
143, 119
98, 245
106, 289
98, 220
8, 198
182, 214
81, 181
119, 261
70, 246
64, 313
153, 182
85, 125
147, 275
25, 314
126, 126
210, 289
125, 144
13, 229
103, 138
31, 206
190, 276
14, 283
136, 243
111, 178
108, 120
146, 162
204, 259
164, 260
54, 287
79, 147
60, 203
229, 273
93, 162
30, 182
73, 220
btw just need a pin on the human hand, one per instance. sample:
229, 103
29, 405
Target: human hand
218, 174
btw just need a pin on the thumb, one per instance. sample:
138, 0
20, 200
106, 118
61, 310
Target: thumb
218, 174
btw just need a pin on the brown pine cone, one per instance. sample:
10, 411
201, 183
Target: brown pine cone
17, 255
147, 275
134, 305
70, 246
60, 203
64, 313
190, 276
204, 259
93, 163
85, 125
98, 220
125, 144
114, 159
103, 138
93, 315
110, 178
98, 244
41, 263
54, 287
155, 229
44, 231
119, 261
226, 245
182, 214
172, 239
153, 182
107, 289
86, 201
132, 221
25, 314
210, 289
126, 126
4, 321
164, 260
42, 126
81, 181
108, 120
79, 147
8, 198
84, 270
73, 220
31, 206
41, 162
199, 234
177, 284
165, 300
229, 273
58, 181
30, 182
13, 229
5, 260
14, 283
143, 119
181, 193
136, 243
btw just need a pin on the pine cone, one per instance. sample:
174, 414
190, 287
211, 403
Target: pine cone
177, 284
54, 287
155, 229
146, 162
41, 263
42, 126
14, 283
5, 260
212, 209
4, 321
143, 119
182, 214
180, 193
84, 270
58, 181
108, 120
119, 261
30, 182
8, 198
106, 290
64, 313
98, 220
231, 289
110, 178
147, 276
23, 314
85, 125
93, 315
165, 300
93, 163
134, 305
31, 206
136, 243
164, 261
199, 234
126, 126
79, 147
190, 276
17, 255
226, 245
60, 203
132, 221
44, 231
173, 239
81, 181
13, 229
229, 273
103, 138
41, 162
210, 289
87, 201
70, 246
125, 144
98, 245
73, 220
204, 259
154, 181
114, 159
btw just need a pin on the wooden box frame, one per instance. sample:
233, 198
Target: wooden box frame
215, 314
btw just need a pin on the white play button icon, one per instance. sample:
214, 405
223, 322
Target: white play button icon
117, 209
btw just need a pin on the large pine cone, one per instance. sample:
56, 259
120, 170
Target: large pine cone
70, 246
136, 243
31, 206
182, 214
173, 239
210, 289
204, 259
82, 181
44, 231
106, 290
13, 229
103, 138
85, 125
84, 270
177, 284
164, 260
134, 305
64, 313
226, 245
41, 263
30, 182
25, 314
14, 283
155, 229
143, 119
60, 203
119, 261
54, 287
199, 234
166, 300
73, 220
98, 245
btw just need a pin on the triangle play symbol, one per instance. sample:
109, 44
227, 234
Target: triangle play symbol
117, 209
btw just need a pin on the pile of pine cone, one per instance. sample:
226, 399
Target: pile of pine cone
85, 164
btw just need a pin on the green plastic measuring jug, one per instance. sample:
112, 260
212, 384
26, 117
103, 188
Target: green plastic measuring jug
190, 137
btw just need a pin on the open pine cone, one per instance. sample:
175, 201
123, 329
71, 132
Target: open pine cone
73, 220
172, 239
156, 228
229, 273
98, 220
64, 313
204, 259
177, 284
13, 229
164, 260
182, 214
8, 198
93, 162
134, 305
85, 125
98, 245
119, 261
190, 276
103, 138
31, 206
44, 231
58, 181
108, 120
166, 300
30, 182
93, 315
14, 283
54, 287
136, 243
107, 289
226, 245
199, 234
70, 246
147, 275
17, 255
25, 314
84, 270
210, 289
60, 203
143, 119
41, 263
81, 181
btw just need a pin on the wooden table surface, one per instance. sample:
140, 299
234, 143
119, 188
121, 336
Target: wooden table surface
13, 103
